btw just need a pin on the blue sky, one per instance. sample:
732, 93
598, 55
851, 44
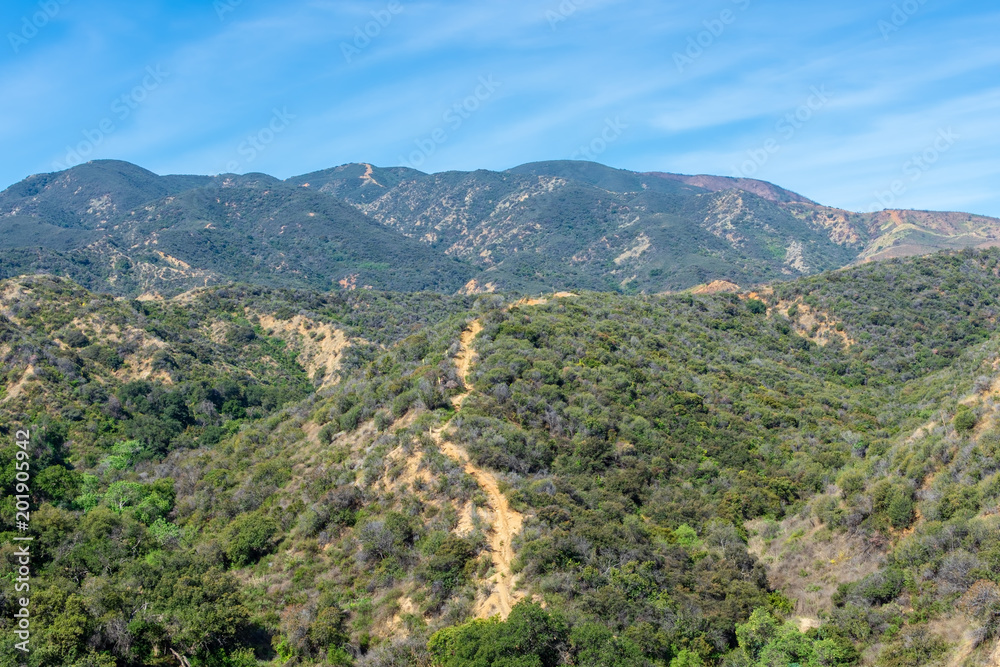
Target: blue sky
843, 102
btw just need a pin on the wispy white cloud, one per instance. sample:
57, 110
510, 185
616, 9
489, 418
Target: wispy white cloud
608, 58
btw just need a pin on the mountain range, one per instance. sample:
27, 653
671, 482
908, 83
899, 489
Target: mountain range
290, 422
547, 226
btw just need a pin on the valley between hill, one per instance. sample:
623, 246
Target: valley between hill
803, 473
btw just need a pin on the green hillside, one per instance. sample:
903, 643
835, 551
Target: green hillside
171, 234
541, 227
803, 475
91, 195
552, 226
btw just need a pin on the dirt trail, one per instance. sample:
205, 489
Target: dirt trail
962, 654
540, 301
807, 623
506, 526
18, 388
463, 360
994, 659
367, 176
506, 521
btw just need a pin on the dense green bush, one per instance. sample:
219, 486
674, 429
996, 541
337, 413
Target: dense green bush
248, 538
965, 419
530, 637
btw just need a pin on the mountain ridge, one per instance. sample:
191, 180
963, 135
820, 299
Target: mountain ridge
543, 226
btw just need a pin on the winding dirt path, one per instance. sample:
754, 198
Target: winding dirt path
506, 522
962, 654
18, 387
463, 360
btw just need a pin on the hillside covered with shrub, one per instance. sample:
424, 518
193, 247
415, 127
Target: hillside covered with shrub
807, 474
543, 227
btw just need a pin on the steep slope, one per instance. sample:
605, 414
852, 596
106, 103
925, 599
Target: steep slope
807, 474
356, 183
762, 189
908, 233
891, 233
251, 228
506, 523
274, 234
92, 195
608, 178
545, 226
548, 226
